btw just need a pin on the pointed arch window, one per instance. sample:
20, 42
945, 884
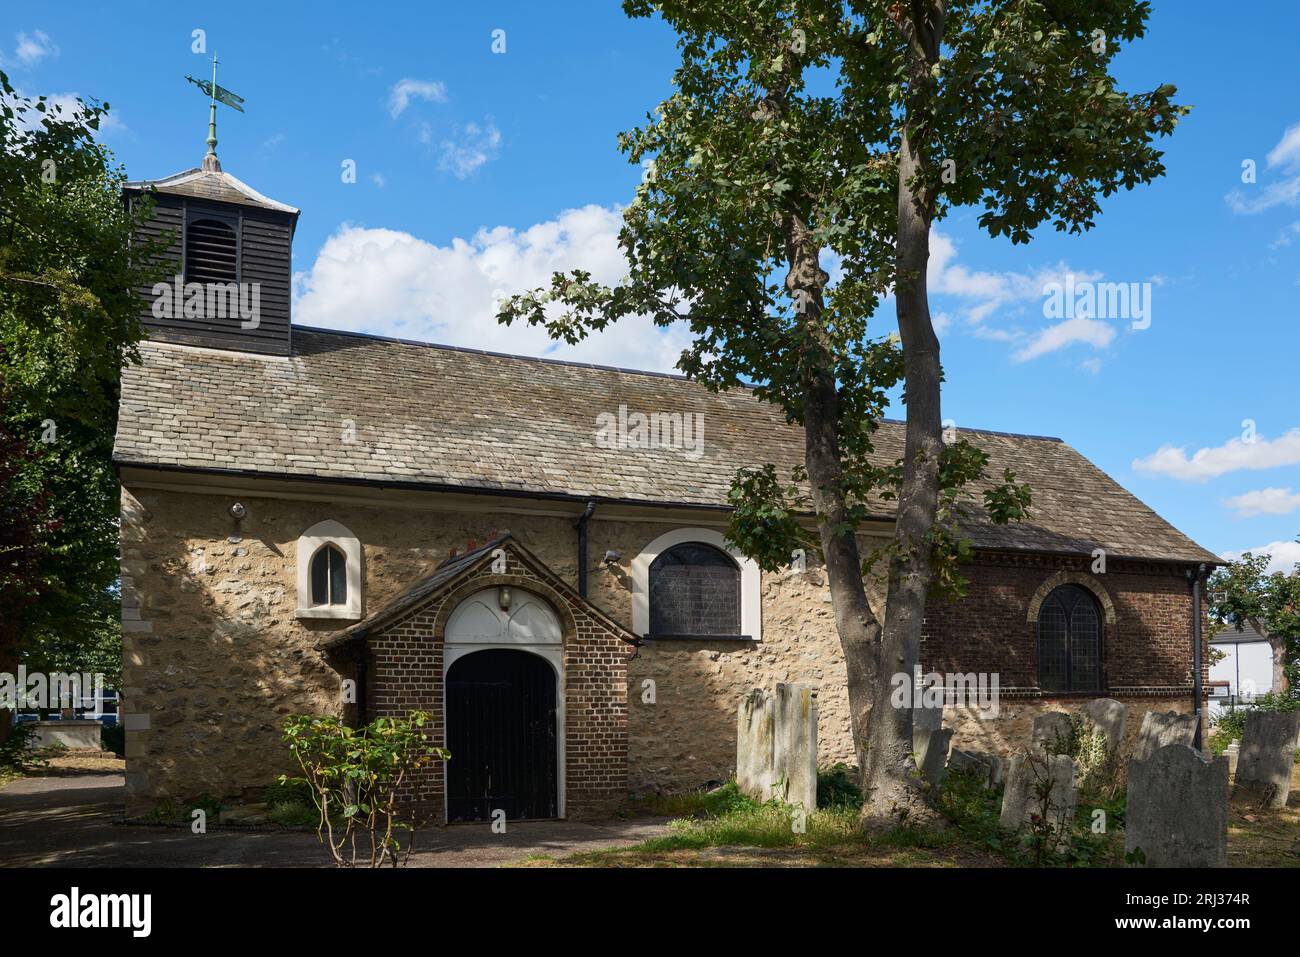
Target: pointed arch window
329, 572
1069, 641
329, 577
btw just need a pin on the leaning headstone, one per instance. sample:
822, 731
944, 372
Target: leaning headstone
1177, 809
1040, 785
931, 750
1163, 728
972, 763
755, 744
1052, 731
927, 719
1268, 748
795, 752
1109, 717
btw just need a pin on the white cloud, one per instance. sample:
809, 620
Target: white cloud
34, 47
1285, 155
379, 179
64, 105
1284, 555
1264, 501
1232, 456
392, 283
405, 90
1287, 151
474, 146
1094, 332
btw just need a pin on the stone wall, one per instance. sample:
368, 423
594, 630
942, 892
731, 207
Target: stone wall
214, 657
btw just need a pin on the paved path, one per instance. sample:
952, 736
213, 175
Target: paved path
69, 820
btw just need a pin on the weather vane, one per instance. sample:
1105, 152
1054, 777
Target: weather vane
214, 94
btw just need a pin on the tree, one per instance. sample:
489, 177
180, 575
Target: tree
1244, 593
68, 322
806, 133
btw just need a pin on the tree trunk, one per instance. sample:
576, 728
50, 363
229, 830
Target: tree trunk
1278, 645
889, 777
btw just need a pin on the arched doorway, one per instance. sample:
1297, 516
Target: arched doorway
504, 707
501, 730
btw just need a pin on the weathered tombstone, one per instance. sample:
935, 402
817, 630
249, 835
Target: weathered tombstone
1177, 811
1109, 717
1043, 785
931, 750
972, 763
927, 719
1162, 728
755, 743
999, 775
1268, 748
776, 745
1052, 730
795, 752
1232, 752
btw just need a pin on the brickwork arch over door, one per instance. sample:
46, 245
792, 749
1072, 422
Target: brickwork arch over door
505, 709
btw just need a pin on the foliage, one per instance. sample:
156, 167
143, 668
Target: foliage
15, 751
69, 272
355, 776
113, 738
838, 786
1230, 724
1244, 592
800, 132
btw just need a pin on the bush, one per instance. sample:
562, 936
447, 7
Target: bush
837, 786
1229, 725
15, 752
355, 776
113, 739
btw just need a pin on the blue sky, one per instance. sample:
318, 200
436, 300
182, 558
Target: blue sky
477, 173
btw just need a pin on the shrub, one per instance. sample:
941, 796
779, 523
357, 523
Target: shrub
355, 776
113, 739
837, 786
15, 752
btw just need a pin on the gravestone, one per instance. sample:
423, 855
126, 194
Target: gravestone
1109, 717
1052, 731
1232, 752
1027, 775
973, 763
931, 750
1177, 811
794, 757
776, 745
927, 719
1162, 728
1267, 755
755, 744
80, 734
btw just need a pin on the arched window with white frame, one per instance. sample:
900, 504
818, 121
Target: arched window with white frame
688, 584
329, 572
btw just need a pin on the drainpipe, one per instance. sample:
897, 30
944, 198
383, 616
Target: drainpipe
1196, 579
359, 659
581, 526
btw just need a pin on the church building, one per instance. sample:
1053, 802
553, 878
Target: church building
532, 550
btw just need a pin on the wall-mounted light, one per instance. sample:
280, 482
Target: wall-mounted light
611, 559
503, 597
238, 511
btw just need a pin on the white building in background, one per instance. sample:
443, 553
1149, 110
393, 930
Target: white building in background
1245, 673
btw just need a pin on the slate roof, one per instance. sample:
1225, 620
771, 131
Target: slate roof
210, 184
1231, 634
460, 419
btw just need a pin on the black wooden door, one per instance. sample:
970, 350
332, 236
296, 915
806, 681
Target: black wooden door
501, 733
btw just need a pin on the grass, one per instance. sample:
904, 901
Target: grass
724, 828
